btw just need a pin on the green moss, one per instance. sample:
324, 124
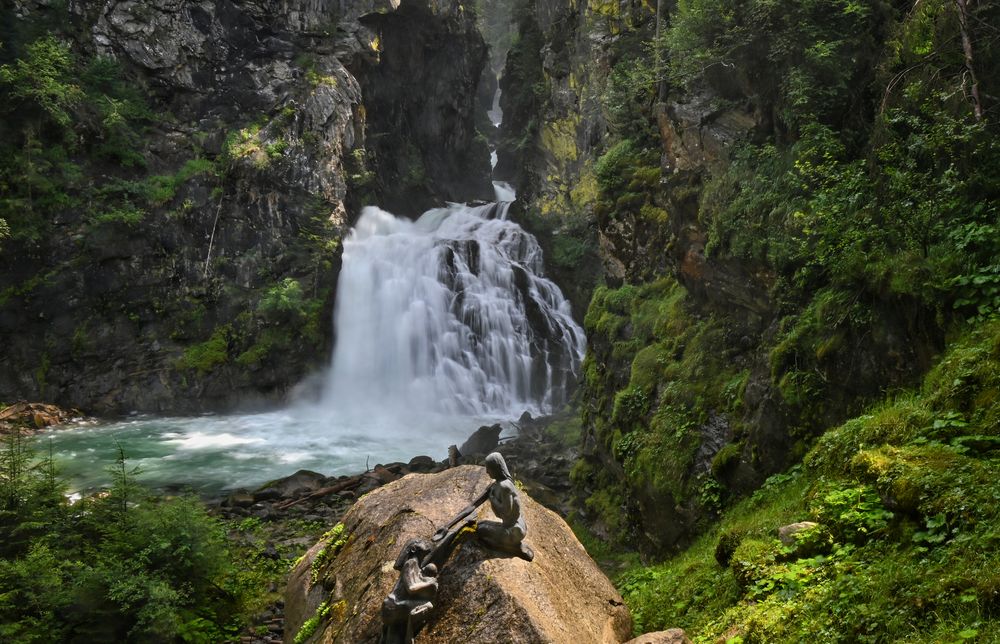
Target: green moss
559, 138
310, 626
921, 571
205, 356
654, 374
335, 540
128, 215
725, 459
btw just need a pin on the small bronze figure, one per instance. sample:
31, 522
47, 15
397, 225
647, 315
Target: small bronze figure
506, 535
405, 610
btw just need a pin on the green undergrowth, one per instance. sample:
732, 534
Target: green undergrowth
654, 373
285, 318
907, 506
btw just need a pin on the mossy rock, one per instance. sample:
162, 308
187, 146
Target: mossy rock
728, 542
752, 560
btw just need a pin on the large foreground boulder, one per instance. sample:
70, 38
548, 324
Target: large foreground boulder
335, 592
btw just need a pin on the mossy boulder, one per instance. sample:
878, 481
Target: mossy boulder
560, 596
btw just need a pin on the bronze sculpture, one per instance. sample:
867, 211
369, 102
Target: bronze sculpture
407, 608
506, 535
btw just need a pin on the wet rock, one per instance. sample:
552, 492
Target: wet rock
262, 511
241, 499
384, 474
298, 484
787, 533
561, 596
483, 441
30, 417
422, 464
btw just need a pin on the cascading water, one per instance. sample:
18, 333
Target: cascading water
442, 324
449, 314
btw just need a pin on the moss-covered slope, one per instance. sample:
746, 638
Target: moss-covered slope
905, 546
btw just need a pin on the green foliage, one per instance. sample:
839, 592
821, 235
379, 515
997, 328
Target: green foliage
128, 215
282, 301
802, 59
923, 571
310, 625
62, 113
853, 513
114, 567
205, 356
44, 80
653, 375
334, 539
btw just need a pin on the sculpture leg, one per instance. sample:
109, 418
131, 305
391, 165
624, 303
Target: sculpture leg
509, 540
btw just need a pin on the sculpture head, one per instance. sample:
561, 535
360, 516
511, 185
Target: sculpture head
496, 467
414, 549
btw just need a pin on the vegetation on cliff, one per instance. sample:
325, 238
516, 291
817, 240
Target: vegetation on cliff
860, 205
796, 204
904, 543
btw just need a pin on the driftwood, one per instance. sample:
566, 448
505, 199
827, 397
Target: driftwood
340, 486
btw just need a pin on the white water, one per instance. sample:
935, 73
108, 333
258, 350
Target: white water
449, 314
433, 340
217, 452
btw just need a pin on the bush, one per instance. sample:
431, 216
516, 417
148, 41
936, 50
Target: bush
120, 566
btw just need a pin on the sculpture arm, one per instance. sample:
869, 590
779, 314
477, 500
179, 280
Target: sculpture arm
466, 511
508, 509
417, 585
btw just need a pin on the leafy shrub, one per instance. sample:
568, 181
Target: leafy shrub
119, 566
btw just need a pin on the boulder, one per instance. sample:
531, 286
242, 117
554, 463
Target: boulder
484, 596
483, 441
787, 533
669, 636
302, 482
422, 464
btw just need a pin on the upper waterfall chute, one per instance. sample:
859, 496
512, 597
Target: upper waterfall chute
449, 314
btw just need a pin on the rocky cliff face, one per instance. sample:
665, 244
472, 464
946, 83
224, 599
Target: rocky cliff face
695, 386
210, 276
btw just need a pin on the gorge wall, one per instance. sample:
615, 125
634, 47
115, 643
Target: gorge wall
175, 217
734, 322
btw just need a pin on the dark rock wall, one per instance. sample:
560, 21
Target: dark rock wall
222, 293
420, 92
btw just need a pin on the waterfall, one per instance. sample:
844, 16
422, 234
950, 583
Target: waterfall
449, 314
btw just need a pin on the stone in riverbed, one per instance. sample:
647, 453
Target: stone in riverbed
240, 499
483, 441
422, 464
561, 596
298, 484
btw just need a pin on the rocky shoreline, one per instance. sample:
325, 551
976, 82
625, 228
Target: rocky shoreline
32, 417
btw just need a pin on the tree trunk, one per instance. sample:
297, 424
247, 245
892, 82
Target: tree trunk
963, 24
